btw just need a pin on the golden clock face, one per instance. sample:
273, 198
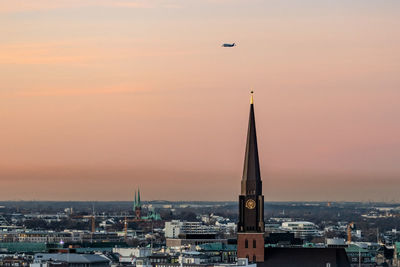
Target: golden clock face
250, 204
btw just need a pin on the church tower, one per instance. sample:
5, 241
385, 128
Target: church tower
137, 205
250, 242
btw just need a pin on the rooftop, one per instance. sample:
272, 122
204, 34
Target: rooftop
71, 258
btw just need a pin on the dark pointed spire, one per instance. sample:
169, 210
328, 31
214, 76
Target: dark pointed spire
251, 180
138, 199
134, 201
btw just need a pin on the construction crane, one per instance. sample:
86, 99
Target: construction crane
92, 220
126, 221
350, 227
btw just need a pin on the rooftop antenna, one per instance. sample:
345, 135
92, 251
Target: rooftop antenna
377, 235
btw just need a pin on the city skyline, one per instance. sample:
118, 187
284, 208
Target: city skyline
100, 97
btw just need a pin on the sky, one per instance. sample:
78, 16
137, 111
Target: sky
100, 97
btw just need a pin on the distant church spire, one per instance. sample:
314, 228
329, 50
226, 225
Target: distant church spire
138, 199
137, 205
134, 201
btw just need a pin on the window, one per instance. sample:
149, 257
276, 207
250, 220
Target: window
246, 243
254, 244
254, 258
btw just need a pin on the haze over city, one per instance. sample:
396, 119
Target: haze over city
100, 97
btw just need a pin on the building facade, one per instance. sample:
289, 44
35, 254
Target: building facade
176, 228
301, 229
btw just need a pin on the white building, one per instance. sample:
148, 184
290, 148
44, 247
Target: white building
172, 229
240, 262
336, 243
175, 227
226, 227
301, 229
44, 237
129, 254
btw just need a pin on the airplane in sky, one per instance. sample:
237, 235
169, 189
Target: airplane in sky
229, 45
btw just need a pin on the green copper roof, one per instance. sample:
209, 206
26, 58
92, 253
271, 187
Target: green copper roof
353, 248
23, 247
90, 250
217, 247
397, 246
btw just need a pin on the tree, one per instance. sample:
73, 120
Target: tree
188, 216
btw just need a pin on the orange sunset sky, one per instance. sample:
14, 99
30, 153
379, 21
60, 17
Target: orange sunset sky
99, 97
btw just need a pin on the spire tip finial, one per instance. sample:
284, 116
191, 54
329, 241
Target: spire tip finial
251, 97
